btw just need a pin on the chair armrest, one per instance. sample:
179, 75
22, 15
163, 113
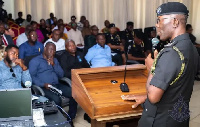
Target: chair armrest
66, 80
37, 90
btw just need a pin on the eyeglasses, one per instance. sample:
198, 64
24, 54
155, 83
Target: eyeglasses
13, 74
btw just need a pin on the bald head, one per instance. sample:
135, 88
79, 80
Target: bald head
70, 46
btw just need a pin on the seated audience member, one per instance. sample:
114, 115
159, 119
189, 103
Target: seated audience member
31, 47
10, 18
106, 28
100, 54
45, 70
91, 39
73, 20
113, 40
24, 36
27, 21
86, 29
43, 29
50, 20
76, 35
128, 35
80, 24
59, 42
62, 34
60, 22
72, 59
9, 31
12, 70
39, 33
6, 39
136, 50
19, 20
189, 30
3, 13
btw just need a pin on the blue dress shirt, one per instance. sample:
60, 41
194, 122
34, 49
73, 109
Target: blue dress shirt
98, 56
7, 81
41, 72
26, 49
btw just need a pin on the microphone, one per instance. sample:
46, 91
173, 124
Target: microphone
124, 86
154, 41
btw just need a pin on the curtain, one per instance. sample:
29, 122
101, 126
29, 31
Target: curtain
141, 12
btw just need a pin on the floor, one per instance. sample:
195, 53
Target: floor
194, 108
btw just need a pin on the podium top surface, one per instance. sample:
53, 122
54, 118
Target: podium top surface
93, 90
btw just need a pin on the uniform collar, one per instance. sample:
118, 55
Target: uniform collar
177, 39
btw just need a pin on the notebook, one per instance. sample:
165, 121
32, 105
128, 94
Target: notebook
16, 107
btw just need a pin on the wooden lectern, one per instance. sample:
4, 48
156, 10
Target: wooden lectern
100, 99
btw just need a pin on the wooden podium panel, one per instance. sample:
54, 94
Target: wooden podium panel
100, 99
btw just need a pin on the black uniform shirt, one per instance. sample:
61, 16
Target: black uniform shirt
113, 40
173, 108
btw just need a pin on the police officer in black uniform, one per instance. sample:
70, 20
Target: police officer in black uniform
3, 13
136, 50
170, 83
114, 41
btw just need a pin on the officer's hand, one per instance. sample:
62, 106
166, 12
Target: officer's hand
139, 99
149, 60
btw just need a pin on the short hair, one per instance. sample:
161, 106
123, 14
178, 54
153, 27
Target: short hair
33, 22
93, 26
60, 25
139, 34
29, 32
129, 23
19, 12
100, 34
41, 20
28, 15
188, 26
73, 16
49, 43
11, 46
69, 40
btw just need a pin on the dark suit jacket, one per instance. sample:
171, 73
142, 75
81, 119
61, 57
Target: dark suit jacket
9, 39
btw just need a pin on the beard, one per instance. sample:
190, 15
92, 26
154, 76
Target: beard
10, 62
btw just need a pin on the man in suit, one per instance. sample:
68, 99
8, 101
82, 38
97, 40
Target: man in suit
5, 39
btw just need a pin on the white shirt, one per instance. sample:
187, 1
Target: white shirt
60, 44
65, 30
76, 36
21, 39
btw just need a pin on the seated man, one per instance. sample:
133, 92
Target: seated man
136, 50
13, 71
100, 54
24, 36
57, 40
31, 47
76, 35
72, 59
113, 40
45, 70
40, 36
91, 39
62, 34
6, 39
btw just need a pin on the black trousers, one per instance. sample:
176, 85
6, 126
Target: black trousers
66, 92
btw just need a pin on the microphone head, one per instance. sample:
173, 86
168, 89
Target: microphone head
155, 41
